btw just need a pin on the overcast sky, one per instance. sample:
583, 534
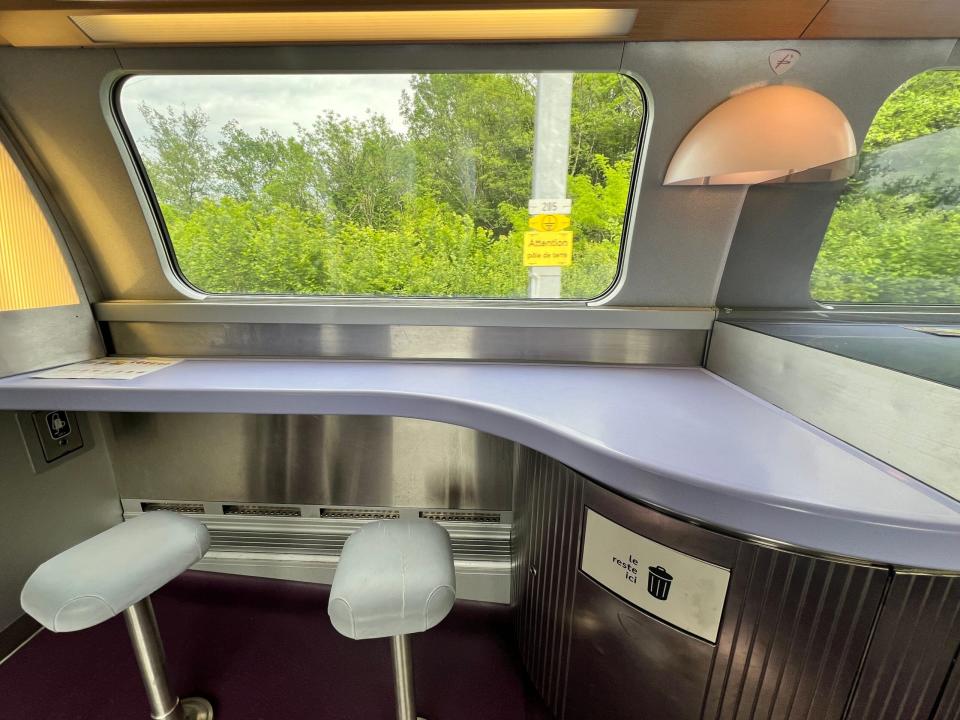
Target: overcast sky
275, 102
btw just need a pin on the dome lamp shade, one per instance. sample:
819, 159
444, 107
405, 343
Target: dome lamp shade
776, 133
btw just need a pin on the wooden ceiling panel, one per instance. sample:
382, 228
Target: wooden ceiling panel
47, 23
887, 19
723, 19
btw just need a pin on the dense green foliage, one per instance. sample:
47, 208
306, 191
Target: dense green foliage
895, 235
353, 207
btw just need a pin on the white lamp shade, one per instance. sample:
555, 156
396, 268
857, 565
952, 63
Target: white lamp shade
773, 133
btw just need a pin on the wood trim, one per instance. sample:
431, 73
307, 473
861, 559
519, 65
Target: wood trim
886, 19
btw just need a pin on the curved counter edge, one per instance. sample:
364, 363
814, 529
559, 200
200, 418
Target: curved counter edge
680, 440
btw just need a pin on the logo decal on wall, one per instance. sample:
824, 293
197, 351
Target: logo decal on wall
783, 59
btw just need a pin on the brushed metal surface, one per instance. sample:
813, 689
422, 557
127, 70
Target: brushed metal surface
912, 651
407, 311
791, 640
627, 662
306, 548
546, 542
309, 459
895, 346
42, 515
412, 342
948, 707
793, 636
42, 338
905, 421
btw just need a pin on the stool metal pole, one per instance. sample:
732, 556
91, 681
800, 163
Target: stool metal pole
403, 677
148, 648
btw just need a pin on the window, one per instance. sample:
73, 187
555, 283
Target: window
895, 235
33, 273
389, 185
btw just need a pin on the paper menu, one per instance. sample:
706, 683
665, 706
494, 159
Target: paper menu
108, 368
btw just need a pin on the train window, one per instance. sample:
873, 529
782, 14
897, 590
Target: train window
33, 273
390, 185
895, 234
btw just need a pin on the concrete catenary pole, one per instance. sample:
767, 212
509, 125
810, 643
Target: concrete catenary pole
551, 159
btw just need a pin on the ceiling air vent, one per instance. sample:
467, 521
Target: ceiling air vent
196, 508
261, 510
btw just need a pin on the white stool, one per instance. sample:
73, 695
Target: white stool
115, 572
394, 578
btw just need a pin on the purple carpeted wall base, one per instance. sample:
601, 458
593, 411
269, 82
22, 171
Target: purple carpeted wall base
265, 650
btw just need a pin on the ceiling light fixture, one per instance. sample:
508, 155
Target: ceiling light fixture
356, 26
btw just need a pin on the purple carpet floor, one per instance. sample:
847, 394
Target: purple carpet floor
265, 650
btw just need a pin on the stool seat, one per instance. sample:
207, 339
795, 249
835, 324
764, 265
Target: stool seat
103, 576
395, 577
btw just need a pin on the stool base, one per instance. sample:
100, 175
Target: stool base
196, 708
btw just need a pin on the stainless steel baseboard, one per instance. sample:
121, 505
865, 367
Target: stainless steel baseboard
303, 542
611, 346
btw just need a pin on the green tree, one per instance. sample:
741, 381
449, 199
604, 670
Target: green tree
353, 207
472, 136
367, 167
925, 104
268, 168
178, 157
894, 237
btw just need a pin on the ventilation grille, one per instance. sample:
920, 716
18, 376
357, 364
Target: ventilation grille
484, 547
355, 514
460, 516
196, 508
262, 510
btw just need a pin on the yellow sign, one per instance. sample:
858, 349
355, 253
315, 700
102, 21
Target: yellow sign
549, 223
548, 249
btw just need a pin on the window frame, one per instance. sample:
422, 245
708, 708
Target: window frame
157, 225
895, 312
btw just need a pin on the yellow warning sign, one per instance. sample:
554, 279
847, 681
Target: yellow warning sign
548, 249
549, 223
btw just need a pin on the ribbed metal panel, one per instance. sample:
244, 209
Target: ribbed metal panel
914, 645
792, 648
548, 500
949, 706
33, 273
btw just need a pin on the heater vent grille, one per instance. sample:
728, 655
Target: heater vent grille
460, 516
359, 514
193, 508
262, 510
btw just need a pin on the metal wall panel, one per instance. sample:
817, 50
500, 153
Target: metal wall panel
790, 647
309, 459
792, 637
546, 541
44, 514
915, 643
949, 705
413, 342
905, 421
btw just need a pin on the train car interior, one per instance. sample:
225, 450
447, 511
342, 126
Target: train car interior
480, 359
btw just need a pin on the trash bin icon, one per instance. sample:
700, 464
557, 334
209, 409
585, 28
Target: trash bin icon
658, 582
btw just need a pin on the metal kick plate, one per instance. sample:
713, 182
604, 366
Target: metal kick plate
671, 585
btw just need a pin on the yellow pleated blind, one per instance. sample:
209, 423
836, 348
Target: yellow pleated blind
33, 273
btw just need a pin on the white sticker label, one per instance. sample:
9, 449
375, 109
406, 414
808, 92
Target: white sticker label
675, 587
556, 206
108, 368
